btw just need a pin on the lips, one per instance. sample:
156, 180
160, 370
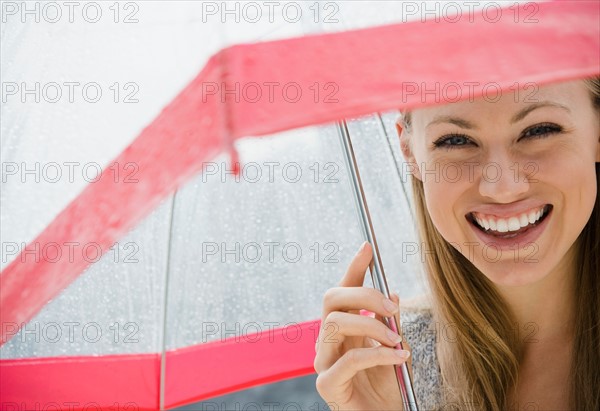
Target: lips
509, 227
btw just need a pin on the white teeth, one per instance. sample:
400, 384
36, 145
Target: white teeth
524, 220
504, 225
513, 224
486, 224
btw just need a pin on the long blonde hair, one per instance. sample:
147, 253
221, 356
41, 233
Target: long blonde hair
480, 366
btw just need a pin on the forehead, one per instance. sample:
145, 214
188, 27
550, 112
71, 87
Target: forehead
502, 106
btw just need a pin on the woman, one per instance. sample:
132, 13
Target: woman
510, 234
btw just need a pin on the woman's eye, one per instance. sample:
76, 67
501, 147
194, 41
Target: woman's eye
541, 130
452, 141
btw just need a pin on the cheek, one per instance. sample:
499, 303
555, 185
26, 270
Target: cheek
576, 181
440, 198
572, 172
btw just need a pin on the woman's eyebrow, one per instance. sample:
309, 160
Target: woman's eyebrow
525, 111
462, 123
457, 121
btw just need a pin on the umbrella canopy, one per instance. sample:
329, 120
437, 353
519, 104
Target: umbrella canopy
186, 295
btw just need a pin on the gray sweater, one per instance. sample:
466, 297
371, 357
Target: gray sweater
419, 330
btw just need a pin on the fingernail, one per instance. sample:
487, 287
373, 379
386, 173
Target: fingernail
395, 338
402, 353
390, 306
362, 247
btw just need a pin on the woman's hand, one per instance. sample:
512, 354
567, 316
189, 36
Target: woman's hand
354, 352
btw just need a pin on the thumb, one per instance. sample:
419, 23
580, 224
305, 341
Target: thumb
355, 275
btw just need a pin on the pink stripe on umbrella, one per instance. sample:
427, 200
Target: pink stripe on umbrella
129, 381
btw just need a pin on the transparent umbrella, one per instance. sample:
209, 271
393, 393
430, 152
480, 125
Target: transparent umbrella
170, 278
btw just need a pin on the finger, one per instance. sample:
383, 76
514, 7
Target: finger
396, 299
355, 274
353, 299
396, 310
339, 326
337, 378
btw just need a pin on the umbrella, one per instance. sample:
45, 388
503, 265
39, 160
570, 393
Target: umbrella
170, 348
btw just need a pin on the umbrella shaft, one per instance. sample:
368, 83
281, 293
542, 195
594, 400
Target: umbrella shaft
376, 268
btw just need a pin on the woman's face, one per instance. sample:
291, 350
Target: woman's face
511, 183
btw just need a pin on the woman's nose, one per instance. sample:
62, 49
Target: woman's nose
504, 180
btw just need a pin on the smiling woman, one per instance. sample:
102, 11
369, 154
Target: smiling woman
506, 200
515, 244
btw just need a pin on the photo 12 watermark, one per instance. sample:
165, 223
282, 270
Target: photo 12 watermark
72, 332
277, 12
67, 406
525, 252
453, 92
329, 332
470, 171
70, 251
271, 92
271, 172
57, 12
470, 11
266, 406
269, 252
253, 332
70, 92
68, 172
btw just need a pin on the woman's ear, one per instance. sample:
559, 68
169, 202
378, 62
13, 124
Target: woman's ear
409, 157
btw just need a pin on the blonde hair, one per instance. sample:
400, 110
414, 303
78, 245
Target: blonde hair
480, 366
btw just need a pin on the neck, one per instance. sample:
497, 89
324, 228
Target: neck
544, 310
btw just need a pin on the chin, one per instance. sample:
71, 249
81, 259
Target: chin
512, 274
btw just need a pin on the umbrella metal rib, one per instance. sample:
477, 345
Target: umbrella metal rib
396, 163
164, 319
376, 268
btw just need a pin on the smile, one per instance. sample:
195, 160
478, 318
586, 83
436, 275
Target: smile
509, 227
